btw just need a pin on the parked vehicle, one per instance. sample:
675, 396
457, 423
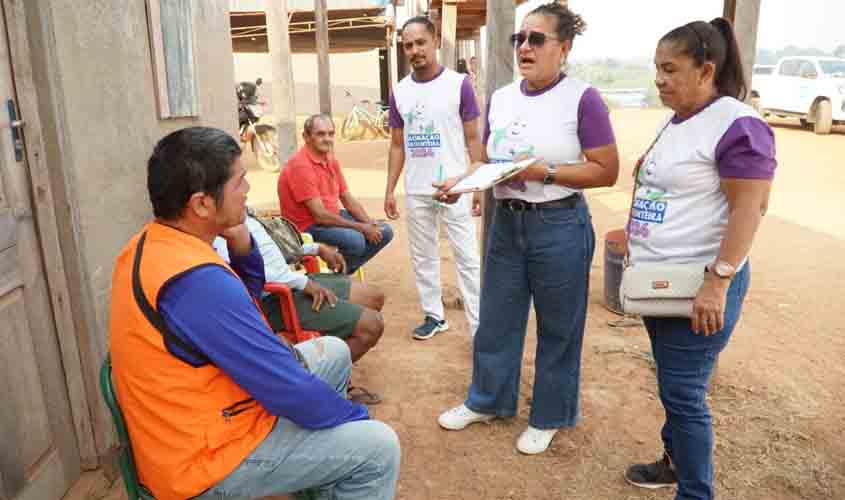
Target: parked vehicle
811, 89
763, 69
256, 127
362, 118
626, 98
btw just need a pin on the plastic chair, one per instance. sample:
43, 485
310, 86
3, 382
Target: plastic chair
323, 267
293, 329
134, 489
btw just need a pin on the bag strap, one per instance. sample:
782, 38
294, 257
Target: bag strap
634, 189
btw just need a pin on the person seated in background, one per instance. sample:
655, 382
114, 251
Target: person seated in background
310, 188
461, 67
329, 303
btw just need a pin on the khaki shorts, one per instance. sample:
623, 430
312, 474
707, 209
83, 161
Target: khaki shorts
338, 321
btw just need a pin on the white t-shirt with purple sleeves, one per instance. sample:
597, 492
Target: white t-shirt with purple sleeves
680, 213
432, 115
555, 124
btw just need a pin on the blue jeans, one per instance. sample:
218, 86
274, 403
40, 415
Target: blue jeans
543, 255
353, 461
352, 244
684, 364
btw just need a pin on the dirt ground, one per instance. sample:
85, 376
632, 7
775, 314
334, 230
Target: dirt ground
778, 404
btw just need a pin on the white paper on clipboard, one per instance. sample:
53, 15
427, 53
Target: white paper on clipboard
490, 174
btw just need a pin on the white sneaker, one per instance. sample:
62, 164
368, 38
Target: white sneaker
533, 441
459, 417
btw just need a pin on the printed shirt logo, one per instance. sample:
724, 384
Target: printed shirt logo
423, 139
510, 142
650, 203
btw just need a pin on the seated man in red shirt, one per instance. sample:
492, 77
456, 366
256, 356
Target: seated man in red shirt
310, 187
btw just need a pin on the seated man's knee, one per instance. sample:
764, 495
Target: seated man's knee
386, 234
385, 443
371, 327
374, 297
347, 241
336, 349
367, 295
378, 299
354, 244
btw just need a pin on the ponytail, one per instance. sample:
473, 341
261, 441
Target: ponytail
713, 42
730, 79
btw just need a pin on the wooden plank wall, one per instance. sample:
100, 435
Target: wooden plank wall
177, 31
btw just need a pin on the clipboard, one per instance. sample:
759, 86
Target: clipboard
490, 174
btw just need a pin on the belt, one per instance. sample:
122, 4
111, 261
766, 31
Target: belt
299, 357
517, 205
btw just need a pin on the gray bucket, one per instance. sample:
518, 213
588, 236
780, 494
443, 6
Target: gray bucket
615, 244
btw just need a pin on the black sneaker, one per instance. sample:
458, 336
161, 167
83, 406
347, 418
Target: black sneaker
430, 328
656, 475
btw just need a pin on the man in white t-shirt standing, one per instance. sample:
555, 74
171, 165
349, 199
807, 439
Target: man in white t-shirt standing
434, 121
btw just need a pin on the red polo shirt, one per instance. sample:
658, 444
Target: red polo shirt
305, 177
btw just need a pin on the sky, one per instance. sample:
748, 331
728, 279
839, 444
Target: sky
630, 28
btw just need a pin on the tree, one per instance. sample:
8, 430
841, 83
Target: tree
839, 51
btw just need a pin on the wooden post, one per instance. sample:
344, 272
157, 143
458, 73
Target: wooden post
729, 9
395, 58
745, 16
284, 109
498, 71
480, 89
391, 59
321, 18
402, 66
449, 34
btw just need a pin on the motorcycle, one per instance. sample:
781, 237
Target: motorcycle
256, 127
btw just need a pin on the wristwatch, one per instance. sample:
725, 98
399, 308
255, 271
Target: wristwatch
723, 270
550, 175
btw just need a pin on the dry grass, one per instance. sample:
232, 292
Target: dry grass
758, 445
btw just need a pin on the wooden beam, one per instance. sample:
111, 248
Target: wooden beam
157, 50
498, 72
449, 34
284, 109
729, 10
390, 53
321, 18
480, 88
746, 20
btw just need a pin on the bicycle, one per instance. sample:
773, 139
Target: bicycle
361, 119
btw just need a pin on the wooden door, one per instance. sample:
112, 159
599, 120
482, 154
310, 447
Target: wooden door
39, 459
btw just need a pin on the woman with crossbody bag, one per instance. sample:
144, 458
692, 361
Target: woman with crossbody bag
700, 193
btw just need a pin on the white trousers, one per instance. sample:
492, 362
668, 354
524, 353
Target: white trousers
423, 218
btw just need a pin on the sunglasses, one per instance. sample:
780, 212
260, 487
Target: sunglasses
536, 39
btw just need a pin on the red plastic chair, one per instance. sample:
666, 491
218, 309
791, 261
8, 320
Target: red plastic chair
293, 330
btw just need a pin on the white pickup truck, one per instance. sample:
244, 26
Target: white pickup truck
809, 88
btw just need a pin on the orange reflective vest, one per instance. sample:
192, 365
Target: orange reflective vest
190, 426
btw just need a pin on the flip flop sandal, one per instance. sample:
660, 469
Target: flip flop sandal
360, 395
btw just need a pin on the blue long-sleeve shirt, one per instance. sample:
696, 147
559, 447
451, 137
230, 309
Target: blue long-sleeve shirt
212, 311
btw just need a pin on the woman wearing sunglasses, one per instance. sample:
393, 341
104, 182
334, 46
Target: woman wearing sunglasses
701, 192
541, 242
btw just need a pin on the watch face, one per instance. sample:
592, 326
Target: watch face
724, 269
550, 176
